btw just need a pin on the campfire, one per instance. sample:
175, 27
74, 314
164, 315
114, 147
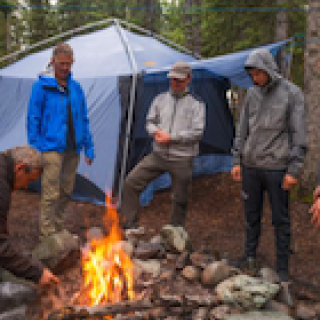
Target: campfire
128, 276
107, 268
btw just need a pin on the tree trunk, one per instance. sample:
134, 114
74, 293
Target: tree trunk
8, 33
282, 33
197, 29
312, 97
188, 24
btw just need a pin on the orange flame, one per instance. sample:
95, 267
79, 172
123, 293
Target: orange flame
107, 268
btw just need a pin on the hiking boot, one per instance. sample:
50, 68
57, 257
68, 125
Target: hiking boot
245, 263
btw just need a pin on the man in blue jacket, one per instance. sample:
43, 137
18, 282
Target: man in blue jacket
58, 127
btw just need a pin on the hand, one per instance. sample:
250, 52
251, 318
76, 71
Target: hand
48, 278
161, 137
315, 211
88, 161
288, 182
236, 173
316, 193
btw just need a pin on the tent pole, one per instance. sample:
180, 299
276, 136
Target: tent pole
131, 106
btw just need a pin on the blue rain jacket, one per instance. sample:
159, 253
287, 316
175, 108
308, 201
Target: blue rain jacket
47, 123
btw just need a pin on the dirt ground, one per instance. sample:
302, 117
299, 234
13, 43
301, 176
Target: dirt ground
215, 220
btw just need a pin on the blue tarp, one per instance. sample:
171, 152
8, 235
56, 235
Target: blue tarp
100, 61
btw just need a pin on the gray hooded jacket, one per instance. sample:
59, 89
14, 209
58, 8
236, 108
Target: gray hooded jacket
183, 118
271, 133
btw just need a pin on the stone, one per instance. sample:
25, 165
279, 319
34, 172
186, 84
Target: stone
182, 260
269, 275
217, 272
94, 233
220, 312
259, 315
146, 250
58, 251
13, 295
14, 314
191, 273
134, 235
200, 314
124, 246
151, 267
274, 305
246, 292
176, 238
201, 260
157, 239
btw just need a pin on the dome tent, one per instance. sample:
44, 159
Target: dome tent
121, 72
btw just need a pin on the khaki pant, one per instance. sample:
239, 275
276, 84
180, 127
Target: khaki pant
57, 183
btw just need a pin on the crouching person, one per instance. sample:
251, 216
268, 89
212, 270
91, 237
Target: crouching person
176, 122
18, 167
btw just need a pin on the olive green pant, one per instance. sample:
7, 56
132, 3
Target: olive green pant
149, 168
57, 181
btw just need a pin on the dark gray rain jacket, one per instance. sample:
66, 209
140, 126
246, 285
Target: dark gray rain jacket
271, 133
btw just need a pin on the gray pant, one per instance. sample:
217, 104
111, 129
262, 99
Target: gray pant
57, 183
151, 167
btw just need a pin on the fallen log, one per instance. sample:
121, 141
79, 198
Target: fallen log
126, 307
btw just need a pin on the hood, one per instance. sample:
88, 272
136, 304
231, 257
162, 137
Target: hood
47, 77
263, 59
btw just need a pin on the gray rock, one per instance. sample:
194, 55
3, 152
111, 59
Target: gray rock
151, 267
124, 246
157, 239
274, 305
259, 315
134, 235
14, 314
217, 272
94, 233
191, 273
58, 251
246, 292
146, 250
13, 295
176, 238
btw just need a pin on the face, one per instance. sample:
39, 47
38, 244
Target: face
259, 77
178, 85
62, 64
23, 177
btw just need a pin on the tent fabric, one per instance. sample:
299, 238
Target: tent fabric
101, 60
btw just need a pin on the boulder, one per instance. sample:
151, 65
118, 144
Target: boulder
14, 314
217, 272
14, 295
151, 267
246, 292
191, 273
176, 238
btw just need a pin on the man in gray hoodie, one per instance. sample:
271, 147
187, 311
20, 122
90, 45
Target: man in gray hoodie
176, 122
268, 154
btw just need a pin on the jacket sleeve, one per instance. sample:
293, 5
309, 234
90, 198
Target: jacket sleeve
242, 132
298, 135
195, 132
34, 118
88, 143
152, 120
10, 258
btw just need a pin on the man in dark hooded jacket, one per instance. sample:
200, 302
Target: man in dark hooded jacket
268, 154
